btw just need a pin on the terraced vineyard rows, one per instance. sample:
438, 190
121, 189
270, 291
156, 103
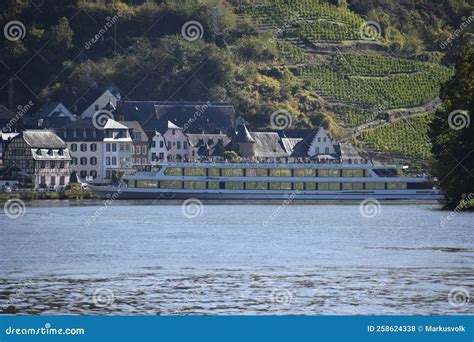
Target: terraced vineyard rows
407, 137
402, 90
353, 117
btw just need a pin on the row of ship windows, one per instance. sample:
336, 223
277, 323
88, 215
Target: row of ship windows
264, 185
228, 172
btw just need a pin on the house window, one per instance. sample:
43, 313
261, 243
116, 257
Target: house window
94, 133
83, 147
114, 160
53, 180
73, 161
74, 133
324, 139
84, 133
178, 145
93, 147
185, 145
114, 147
144, 149
93, 174
121, 147
52, 164
65, 134
62, 180
127, 147
169, 145
326, 150
107, 174
144, 161
96, 107
173, 132
43, 181
162, 155
319, 139
107, 147
93, 161
161, 144
153, 156
43, 164
153, 144
83, 161
317, 150
107, 160
83, 174
136, 135
73, 147
61, 164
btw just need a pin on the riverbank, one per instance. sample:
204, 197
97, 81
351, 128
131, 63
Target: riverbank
48, 195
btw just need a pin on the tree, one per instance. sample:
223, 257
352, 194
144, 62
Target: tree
230, 155
452, 134
62, 33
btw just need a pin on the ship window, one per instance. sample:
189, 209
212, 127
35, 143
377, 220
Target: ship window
274, 185
346, 186
131, 184
262, 172
234, 185
174, 171
238, 172
310, 185
213, 172
298, 186
213, 185
194, 171
305, 172
227, 172
194, 185
141, 184
280, 173
334, 173
323, 173
357, 186
357, 173
396, 186
286, 185
251, 185
250, 172
171, 184
152, 184
262, 186
375, 186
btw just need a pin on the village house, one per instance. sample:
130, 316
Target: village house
86, 146
140, 145
42, 159
117, 150
107, 100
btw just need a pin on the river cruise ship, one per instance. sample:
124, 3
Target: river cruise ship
270, 181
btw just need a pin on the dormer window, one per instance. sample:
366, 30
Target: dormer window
74, 133
61, 152
50, 152
84, 134
38, 151
65, 133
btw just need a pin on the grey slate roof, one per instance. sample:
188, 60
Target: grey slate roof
43, 139
268, 145
197, 116
80, 126
212, 145
55, 122
137, 128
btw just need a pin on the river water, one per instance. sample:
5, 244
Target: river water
127, 259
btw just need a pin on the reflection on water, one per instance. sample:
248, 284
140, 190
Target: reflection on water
150, 260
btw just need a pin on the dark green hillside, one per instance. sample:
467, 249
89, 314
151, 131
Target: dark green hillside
321, 61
